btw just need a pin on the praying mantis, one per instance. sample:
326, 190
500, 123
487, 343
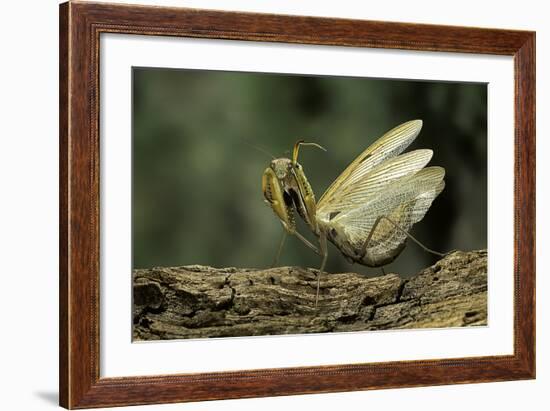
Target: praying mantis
368, 211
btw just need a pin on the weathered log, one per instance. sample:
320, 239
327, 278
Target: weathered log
199, 301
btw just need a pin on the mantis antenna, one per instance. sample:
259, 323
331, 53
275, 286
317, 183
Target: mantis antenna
297, 149
257, 147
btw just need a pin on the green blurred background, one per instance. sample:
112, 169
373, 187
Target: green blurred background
197, 195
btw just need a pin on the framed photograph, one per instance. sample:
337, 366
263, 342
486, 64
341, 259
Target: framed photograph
259, 205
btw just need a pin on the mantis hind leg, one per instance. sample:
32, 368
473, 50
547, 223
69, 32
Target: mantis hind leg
324, 254
409, 235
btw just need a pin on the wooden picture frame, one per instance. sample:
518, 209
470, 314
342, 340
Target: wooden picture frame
80, 27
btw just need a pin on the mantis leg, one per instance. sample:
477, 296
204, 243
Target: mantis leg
280, 250
367, 241
301, 238
324, 255
307, 242
365, 245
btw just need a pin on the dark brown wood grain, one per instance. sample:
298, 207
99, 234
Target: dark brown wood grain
80, 27
63, 206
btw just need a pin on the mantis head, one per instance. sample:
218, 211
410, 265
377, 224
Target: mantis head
285, 187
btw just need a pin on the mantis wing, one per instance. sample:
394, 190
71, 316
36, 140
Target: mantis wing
389, 145
405, 202
371, 183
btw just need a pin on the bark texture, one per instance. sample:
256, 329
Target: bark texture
199, 301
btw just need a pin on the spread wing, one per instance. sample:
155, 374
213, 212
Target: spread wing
389, 145
370, 184
405, 201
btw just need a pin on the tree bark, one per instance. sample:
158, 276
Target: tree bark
199, 301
